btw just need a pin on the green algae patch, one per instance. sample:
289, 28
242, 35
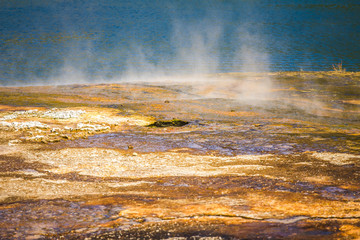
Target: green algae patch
171, 123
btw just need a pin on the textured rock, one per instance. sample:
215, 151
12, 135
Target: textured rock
24, 125
62, 114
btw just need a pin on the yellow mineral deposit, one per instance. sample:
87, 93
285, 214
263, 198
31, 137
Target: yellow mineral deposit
169, 161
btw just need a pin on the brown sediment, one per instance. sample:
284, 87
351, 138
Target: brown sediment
79, 161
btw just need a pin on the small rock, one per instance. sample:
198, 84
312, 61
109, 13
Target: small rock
134, 154
130, 147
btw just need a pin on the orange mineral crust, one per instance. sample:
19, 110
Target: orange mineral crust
226, 157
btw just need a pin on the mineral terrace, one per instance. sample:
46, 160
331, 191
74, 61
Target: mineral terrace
237, 156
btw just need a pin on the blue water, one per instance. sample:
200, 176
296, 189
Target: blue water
43, 40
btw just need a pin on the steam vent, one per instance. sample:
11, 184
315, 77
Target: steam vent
179, 120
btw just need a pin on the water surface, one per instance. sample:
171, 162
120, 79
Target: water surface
69, 41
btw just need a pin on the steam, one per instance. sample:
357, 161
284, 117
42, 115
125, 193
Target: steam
196, 47
70, 75
197, 55
139, 66
254, 59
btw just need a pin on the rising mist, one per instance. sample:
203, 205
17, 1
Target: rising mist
117, 42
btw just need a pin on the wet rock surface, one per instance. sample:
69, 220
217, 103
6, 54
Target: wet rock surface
80, 162
169, 123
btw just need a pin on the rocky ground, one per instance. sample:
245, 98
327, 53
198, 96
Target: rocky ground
229, 156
